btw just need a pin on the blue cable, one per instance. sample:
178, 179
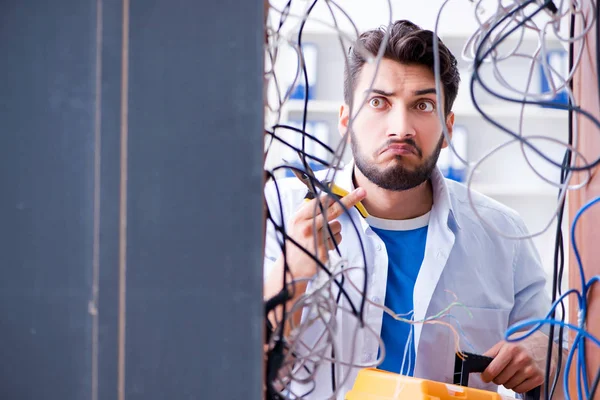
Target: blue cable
539, 322
580, 363
582, 367
547, 320
567, 372
592, 280
582, 334
574, 241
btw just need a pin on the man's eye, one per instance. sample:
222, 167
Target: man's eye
425, 106
376, 102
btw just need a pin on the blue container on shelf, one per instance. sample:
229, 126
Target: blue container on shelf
309, 51
449, 164
558, 60
456, 174
313, 165
317, 129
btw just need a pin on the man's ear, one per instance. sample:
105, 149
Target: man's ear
343, 118
449, 127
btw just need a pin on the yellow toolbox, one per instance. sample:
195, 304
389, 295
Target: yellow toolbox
374, 384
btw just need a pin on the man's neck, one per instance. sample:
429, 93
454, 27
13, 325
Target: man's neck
389, 204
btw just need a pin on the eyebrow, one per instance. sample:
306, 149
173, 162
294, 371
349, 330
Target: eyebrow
381, 92
391, 94
424, 91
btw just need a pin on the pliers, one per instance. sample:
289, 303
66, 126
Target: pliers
308, 177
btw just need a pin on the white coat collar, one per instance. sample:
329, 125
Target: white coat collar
442, 203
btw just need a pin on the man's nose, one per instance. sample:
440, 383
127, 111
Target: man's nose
400, 124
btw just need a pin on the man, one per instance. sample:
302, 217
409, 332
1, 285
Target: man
422, 242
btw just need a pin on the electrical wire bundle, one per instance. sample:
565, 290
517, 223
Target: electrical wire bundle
510, 22
333, 292
289, 359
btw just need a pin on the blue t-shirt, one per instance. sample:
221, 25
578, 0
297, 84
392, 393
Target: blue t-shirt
405, 244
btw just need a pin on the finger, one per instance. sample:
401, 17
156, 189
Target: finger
493, 352
519, 369
501, 360
529, 384
311, 208
335, 227
515, 380
330, 242
336, 209
508, 373
345, 203
323, 250
331, 230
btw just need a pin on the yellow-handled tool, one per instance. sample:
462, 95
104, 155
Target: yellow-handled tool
333, 188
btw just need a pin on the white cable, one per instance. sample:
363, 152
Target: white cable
561, 195
322, 299
473, 166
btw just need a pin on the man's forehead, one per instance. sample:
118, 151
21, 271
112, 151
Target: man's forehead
394, 76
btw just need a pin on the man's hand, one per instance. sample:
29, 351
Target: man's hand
518, 366
307, 227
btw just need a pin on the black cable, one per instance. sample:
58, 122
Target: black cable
341, 42
325, 189
564, 167
304, 133
479, 58
275, 356
551, 6
284, 14
315, 184
561, 266
307, 155
559, 244
582, 366
558, 263
305, 77
281, 229
304, 118
557, 280
310, 177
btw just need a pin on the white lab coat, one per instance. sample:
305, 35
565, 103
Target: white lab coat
500, 280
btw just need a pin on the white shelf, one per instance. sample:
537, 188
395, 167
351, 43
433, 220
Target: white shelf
513, 190
510, 111
316, 29
504, 111
319, 106
505, 177
322, 107
370, 15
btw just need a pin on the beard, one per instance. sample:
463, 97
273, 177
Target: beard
397, 177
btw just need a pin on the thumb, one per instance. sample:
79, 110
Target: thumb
493, 352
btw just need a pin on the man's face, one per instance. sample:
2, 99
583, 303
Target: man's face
397, 137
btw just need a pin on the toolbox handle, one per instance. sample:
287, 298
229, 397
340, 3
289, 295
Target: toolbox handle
475, 363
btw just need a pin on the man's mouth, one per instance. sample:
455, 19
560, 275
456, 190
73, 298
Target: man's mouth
401, 149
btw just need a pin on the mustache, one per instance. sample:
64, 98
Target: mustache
406, 142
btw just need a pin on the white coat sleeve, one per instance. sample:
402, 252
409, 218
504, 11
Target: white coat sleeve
273, 239
531, 298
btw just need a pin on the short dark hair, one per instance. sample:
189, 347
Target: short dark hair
407, 44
